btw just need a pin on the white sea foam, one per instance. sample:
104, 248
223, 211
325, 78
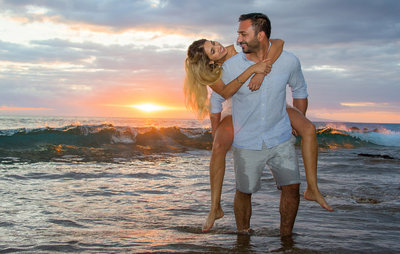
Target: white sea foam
384, 139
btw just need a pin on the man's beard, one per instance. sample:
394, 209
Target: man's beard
252, 46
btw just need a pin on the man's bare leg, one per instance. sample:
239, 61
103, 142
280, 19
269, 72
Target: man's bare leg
222, 143
242, 208
290, 199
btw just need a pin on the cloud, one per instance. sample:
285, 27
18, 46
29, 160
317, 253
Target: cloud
325, 68
364, 104
358, 104
57, 54
340, 20
7, 108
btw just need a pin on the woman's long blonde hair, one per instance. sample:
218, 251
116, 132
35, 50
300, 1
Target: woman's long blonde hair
199, 74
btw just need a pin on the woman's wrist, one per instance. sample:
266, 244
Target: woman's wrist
253, 69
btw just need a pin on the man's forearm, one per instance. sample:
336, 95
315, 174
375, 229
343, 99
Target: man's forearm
301, 104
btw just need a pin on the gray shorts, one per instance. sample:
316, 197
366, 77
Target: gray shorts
249, 165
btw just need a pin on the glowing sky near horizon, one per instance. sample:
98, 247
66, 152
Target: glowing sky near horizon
98, 58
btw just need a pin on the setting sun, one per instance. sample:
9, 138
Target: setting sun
149, 107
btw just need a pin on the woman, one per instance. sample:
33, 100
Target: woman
203, 68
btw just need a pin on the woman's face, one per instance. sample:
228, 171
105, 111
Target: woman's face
214, 50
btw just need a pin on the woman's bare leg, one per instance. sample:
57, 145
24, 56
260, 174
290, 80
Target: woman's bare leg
222, 143
309, 149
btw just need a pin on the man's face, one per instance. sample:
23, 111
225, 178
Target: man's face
247, 38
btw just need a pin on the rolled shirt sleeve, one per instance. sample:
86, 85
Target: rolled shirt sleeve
296, 81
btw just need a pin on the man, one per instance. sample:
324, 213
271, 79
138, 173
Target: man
262, 130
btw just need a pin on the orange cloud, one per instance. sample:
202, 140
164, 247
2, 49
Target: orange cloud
19, 19
351, 116
7, 108
362, 104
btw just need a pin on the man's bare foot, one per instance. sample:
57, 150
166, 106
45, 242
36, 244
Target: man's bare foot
212, 217
317, 197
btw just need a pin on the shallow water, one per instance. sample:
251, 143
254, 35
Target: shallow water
121, 185
159, 206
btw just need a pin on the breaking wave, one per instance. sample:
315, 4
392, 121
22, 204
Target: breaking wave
109, 143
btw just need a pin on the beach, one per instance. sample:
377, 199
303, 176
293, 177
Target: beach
125, 185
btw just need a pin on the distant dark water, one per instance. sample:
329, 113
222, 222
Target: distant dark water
156, 198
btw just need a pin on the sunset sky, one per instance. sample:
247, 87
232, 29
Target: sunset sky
107, 58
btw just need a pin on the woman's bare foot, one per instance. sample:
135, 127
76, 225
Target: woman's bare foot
212, 217
317, 197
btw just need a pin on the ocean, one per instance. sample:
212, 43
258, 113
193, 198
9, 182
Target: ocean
125, 185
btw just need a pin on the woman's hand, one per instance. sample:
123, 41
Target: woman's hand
263, 67
256, 81
260, 69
